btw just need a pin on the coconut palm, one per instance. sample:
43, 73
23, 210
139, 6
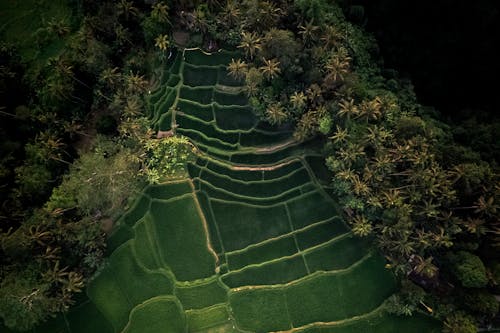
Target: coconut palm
308, 32
127, 9
73, 283
270, 69
337, 67
315, 94
160, 12
132, 108
347, 108
275, 114
340, 135
135, 83
371, 109
331, 36
56, 274
162, 42
425, 266
58, 27
250, 43
237, 69
39, 236
231, 14
110, 76
298, 100
361, 226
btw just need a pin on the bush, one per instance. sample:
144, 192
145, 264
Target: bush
468, 269
167, 158
459, 323
482, 302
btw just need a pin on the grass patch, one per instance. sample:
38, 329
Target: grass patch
140, 207
333, 297
383, 323
207, 318
223, 98
185, 121
260, 310
87, 318
201, 295
235, 118
203, 112
145, 248
243, 175
312, 207
254, 138
276, 272
260, 189
194, 76
181, 239
162, 314
338, 255
321, 233
241, 225
168, 191
257, 254
198, 94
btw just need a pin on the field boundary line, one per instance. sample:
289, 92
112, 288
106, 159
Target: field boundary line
204, 222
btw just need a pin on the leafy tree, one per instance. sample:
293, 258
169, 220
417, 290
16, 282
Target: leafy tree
468, 269
459, 323
167, 158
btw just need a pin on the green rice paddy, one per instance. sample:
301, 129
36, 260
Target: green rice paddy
250, 242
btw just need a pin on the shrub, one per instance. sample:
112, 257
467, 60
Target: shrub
468, 269
482, 302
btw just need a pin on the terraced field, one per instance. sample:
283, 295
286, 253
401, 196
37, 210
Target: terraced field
251, 242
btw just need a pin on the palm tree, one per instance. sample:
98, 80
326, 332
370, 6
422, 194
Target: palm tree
331, 36
110, 76
275, 114
39, 236
58, 27
360, 187
270, 69
56, 274
237, 69
486, 206
73, 283
371, 109
340, 135
136, 83
424, 267
132, 108
337, 67
250, 43
347, 108
160, 12
361, 226
231, 14
346, 174
298, 100
162, 42
315, 94
127, 9
308, 32
122, 34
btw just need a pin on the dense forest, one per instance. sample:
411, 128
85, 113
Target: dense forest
416, 170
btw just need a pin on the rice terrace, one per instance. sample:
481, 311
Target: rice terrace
250, 242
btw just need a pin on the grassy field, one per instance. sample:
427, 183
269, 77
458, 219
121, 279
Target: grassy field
250, 242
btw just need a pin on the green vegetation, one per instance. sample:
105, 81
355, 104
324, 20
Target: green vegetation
230, 166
